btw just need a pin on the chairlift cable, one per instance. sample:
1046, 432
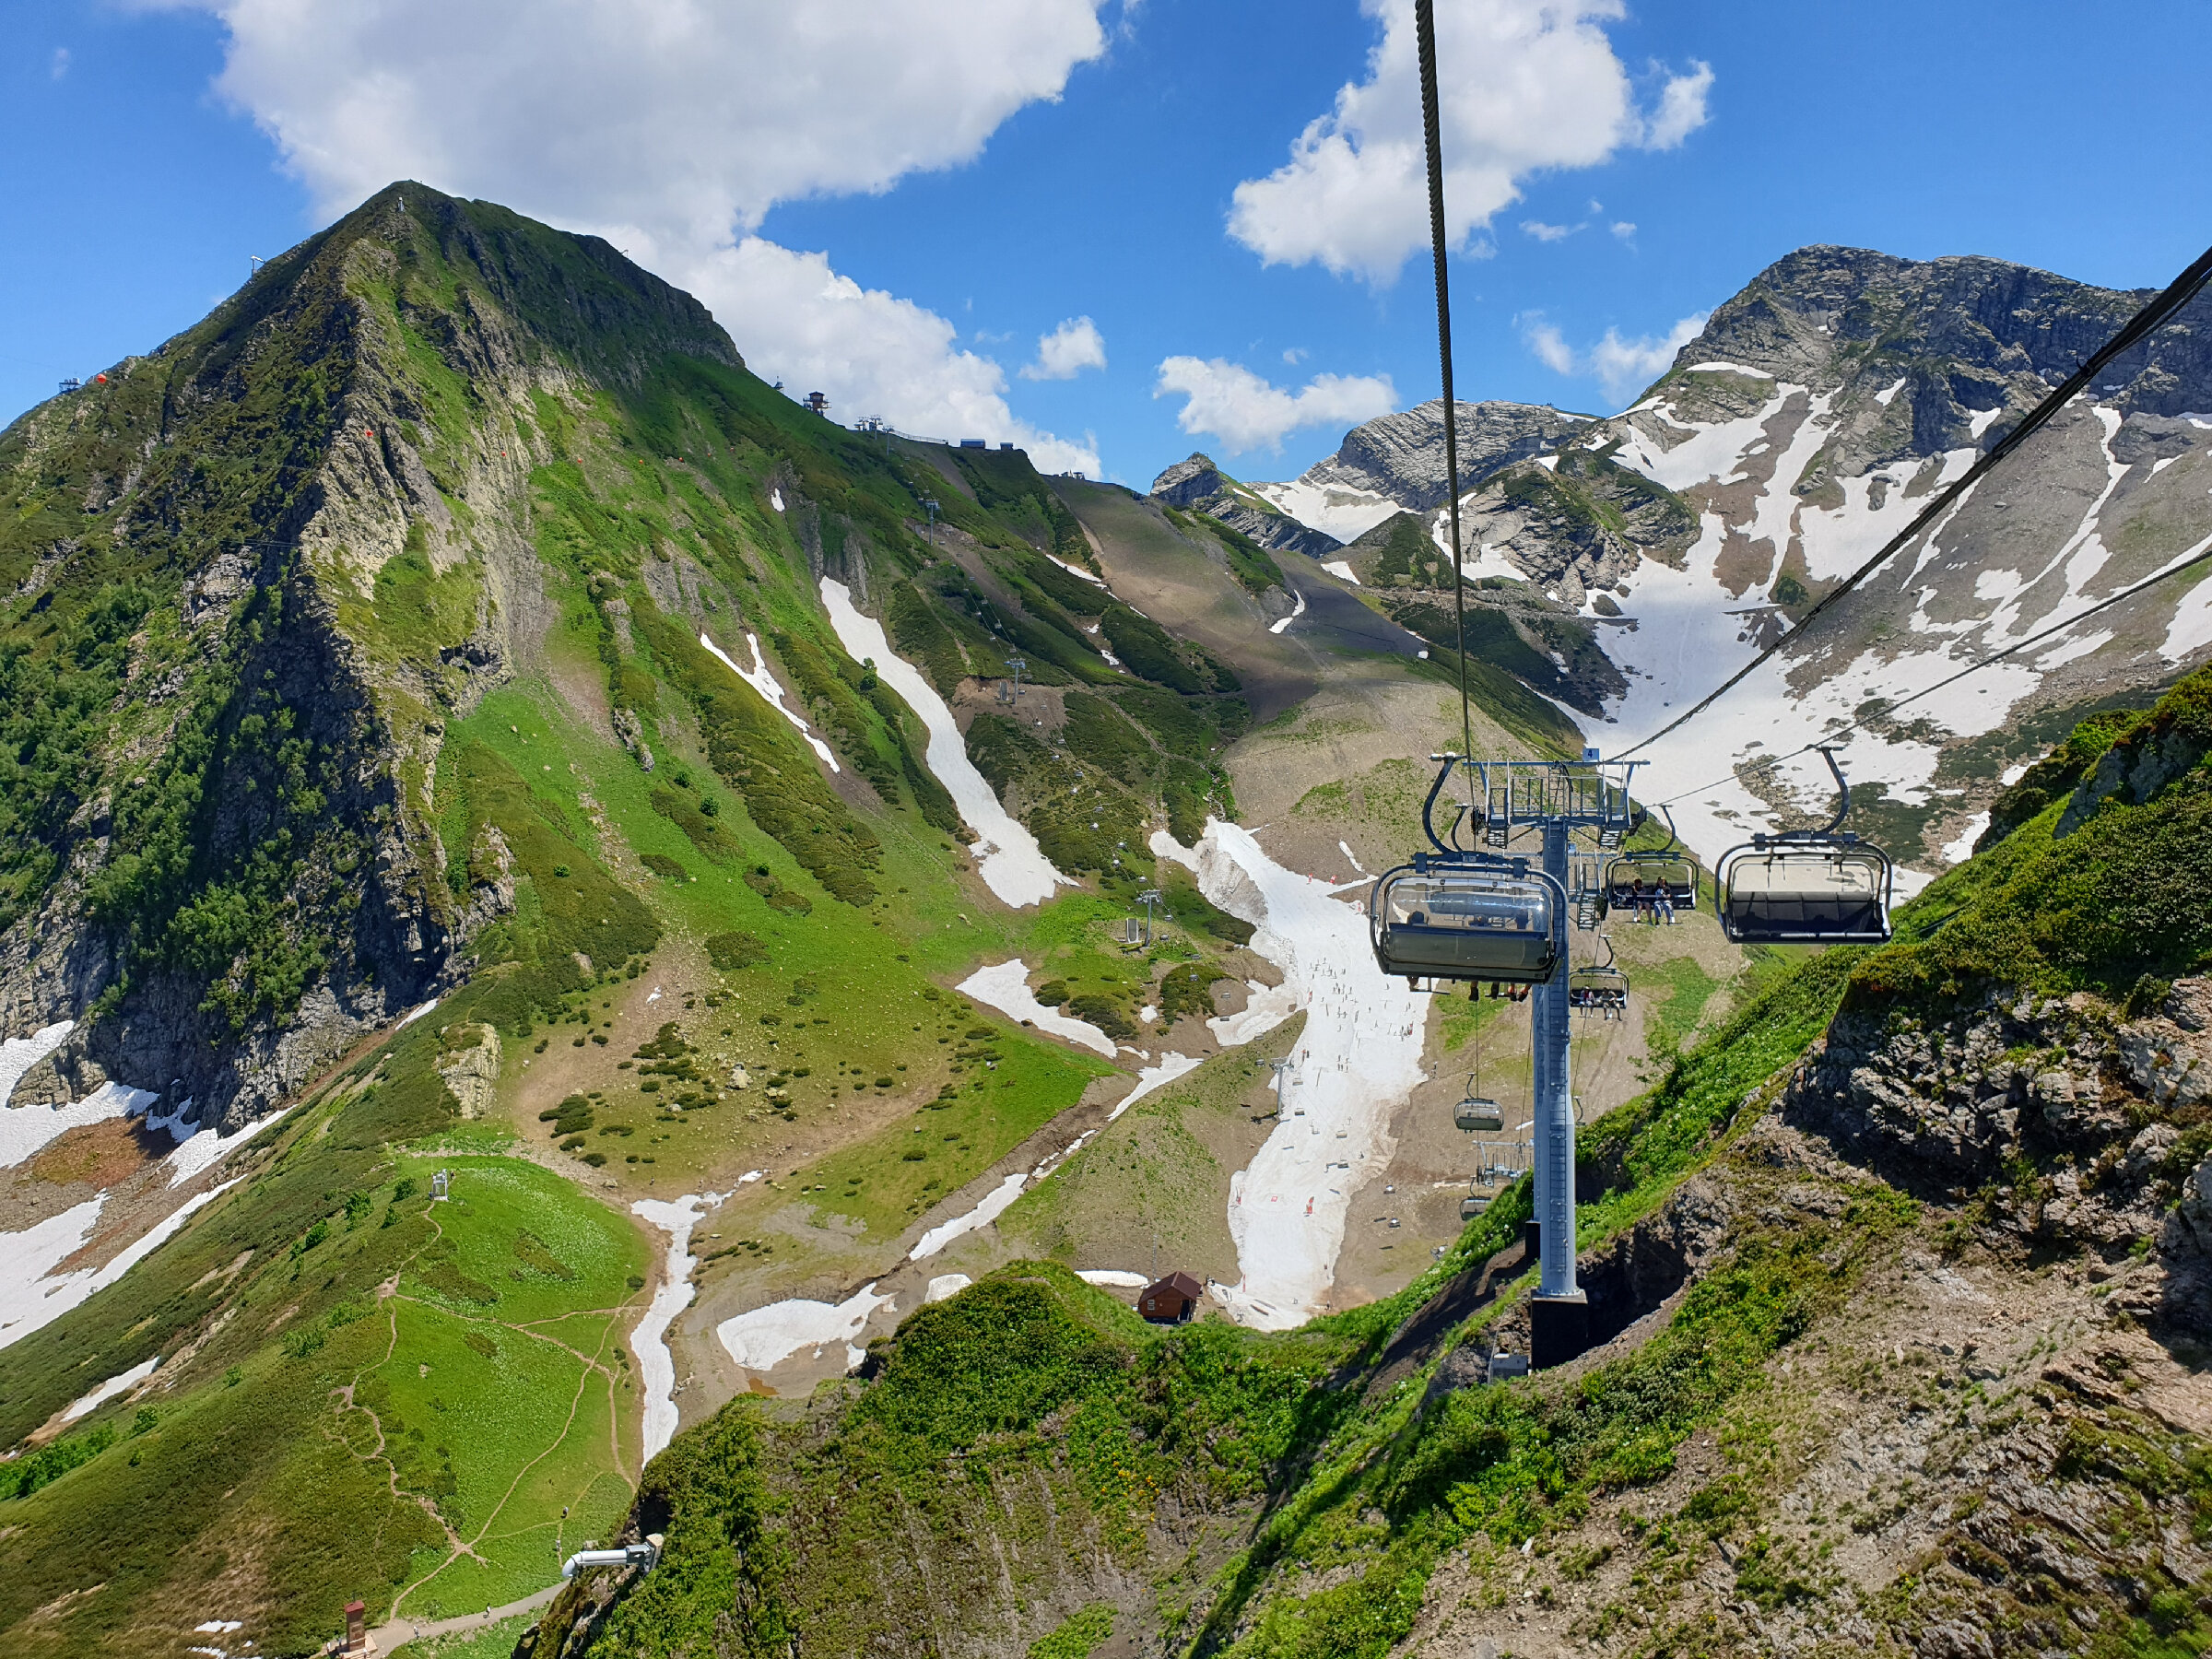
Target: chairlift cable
1829, 738
2146, 322
1424, 17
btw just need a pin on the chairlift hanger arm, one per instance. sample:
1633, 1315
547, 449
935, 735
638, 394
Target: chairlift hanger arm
1436, 789
1833, 829
1843, 791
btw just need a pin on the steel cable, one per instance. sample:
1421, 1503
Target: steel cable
1424, 17
2203, 556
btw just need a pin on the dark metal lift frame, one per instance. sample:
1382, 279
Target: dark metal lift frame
1555, 797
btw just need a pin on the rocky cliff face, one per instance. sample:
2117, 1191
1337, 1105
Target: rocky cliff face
1196, 485
1395, 463
1807, 424
2108, 1106
252, 575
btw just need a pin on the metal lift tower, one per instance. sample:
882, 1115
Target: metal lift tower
1557, 798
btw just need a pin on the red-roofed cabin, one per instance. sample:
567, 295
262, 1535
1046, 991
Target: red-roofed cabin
1172, 1299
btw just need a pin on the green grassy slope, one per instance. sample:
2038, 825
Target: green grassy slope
1257, 1497
592, 481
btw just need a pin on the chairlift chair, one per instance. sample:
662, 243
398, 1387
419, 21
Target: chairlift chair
1807, 886
1465, 917
1667, 871
1601, 988
1473, 1204
1478, 1115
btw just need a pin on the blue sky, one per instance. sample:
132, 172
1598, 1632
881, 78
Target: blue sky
930, 165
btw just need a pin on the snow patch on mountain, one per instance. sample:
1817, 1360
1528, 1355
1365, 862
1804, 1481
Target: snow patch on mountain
1344, 513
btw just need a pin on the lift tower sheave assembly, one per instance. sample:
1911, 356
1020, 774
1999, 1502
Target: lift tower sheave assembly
1452, 914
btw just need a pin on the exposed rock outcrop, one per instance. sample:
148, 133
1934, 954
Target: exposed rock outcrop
2071, 1129
470, 1065
1196, 485
1402, 456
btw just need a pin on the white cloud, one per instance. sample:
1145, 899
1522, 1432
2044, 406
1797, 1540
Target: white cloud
1624, 228
688, 118
800, 322
59, 65
1247, 412
1625, 366
1549, 233
1295, 355
1070, 349
1527, 85
671, 127
1549, 344
1621, 366
1681, 108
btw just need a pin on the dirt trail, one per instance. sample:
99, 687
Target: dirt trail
389, 1636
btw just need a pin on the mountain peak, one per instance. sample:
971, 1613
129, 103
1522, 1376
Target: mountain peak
1188, 482
1395, 463
1822, 315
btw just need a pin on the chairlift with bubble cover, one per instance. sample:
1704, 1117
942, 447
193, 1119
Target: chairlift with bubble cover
1459, 914
1477, 1114
1635, 879
1807, 886
1601, 988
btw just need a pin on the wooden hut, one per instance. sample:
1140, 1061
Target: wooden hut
1170, 1300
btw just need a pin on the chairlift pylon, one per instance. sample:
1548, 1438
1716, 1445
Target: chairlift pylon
1807, 886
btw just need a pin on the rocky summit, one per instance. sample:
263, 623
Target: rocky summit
1807, 424
1196, 485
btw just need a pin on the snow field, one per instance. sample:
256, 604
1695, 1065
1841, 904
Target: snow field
18, 1055
994, 1205
765, 1338
84, 1405
33, 1295
648, 1340
762, 681
1005, 986
1334, 509
1007, 857
25, 1130
1357, 1059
